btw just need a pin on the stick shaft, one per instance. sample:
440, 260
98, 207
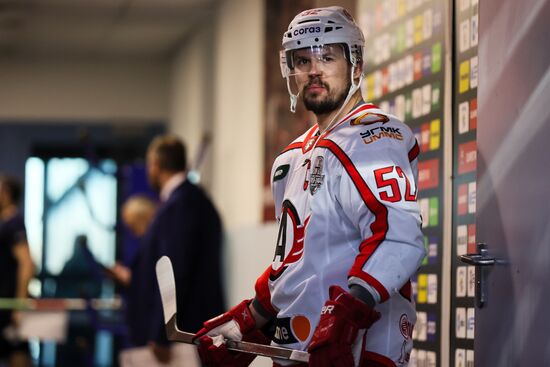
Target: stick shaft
176, 335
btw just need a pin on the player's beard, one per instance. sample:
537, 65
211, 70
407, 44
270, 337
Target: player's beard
326, 105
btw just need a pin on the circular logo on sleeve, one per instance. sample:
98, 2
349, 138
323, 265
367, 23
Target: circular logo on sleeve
301, 327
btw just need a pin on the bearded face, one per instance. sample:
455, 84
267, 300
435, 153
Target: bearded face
322, 75
320, 98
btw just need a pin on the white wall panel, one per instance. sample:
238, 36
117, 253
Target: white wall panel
83, 91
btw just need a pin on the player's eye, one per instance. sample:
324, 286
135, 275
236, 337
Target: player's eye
301, 61
328, 58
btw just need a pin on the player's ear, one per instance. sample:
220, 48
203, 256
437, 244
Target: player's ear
357, 74
358, 69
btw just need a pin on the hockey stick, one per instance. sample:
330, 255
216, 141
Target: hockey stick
167, 286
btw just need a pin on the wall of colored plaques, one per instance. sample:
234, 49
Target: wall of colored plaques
464, 183
405, 76
405, 70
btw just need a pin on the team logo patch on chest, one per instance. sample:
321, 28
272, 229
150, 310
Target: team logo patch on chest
317, 177
369, 118
378, 133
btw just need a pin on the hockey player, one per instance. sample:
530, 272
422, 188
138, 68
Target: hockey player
345, 196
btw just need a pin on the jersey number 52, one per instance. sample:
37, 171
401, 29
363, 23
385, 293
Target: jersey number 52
392, 192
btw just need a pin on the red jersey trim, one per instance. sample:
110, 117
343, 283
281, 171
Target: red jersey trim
302, 144
379, 227
361, 108
372, 359
414, 152
297, 145
262, 292
306, 144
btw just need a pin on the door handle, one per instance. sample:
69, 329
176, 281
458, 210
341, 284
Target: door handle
478, 259
483, 262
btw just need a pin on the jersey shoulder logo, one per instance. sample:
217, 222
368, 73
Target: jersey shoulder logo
317, 177
369, 118
281, 172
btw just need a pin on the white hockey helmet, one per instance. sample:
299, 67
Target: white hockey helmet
319, 27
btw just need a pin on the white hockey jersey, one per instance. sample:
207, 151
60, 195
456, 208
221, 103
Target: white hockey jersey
346, 203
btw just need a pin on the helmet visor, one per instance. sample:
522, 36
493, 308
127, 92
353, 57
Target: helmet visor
325, 59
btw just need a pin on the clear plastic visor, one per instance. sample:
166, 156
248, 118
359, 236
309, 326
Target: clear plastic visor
322, 59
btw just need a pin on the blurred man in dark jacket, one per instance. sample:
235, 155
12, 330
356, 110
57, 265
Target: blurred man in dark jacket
186, 228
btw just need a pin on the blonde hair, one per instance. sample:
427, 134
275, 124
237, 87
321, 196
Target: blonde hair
138, 212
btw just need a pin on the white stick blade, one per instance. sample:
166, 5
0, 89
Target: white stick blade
167, 286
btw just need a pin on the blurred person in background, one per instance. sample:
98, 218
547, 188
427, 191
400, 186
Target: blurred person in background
16, 268
186, 228
137, 213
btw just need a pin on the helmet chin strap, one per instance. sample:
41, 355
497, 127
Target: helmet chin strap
293, 97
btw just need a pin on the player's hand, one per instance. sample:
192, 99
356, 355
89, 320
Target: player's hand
341, 318
214, 353
236, 324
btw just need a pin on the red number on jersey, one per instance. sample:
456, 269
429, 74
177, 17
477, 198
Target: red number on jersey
409, 196
393, 194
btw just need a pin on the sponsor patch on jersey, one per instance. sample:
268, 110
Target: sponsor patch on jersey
289, 330
281, 172
371, 135
316, 178
369, 118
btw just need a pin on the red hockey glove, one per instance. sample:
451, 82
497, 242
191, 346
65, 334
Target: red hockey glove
214, 353
341, 318
235, 324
